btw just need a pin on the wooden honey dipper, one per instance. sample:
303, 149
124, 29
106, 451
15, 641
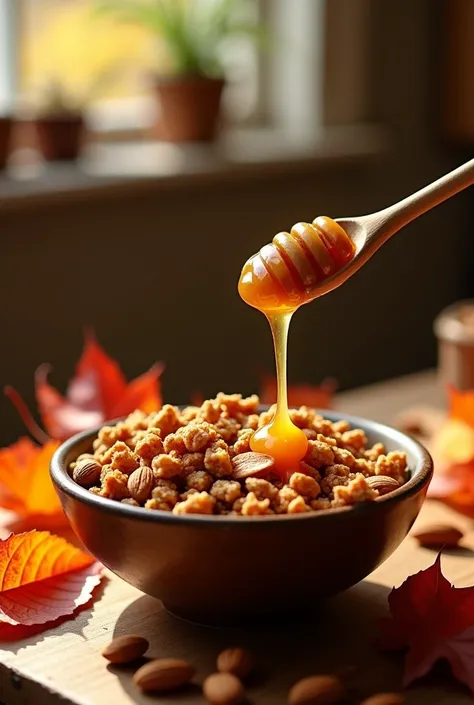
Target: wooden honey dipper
315, 258
309, 261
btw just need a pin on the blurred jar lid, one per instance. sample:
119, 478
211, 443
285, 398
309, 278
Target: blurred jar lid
456, 323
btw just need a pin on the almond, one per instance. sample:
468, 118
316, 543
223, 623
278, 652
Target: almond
223, 689
163, 674
250, 464
382, 483
317, 690
140, 484
385, 699
439, 535
236, 661
87, 472
126, 648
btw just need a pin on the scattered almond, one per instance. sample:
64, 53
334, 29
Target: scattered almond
87, 472
439, 535
223, 689
382, 483
385, 699
236, 661
317, 690
140, 484
125, 649
251, 464
163, 674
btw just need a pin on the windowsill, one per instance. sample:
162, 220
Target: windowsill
244, 153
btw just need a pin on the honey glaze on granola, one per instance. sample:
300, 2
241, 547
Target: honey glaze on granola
281, 277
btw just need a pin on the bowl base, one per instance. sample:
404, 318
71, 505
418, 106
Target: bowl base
232, 621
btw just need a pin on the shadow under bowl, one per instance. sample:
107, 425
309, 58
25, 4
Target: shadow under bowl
212, 569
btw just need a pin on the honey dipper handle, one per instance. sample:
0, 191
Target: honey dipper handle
386, 223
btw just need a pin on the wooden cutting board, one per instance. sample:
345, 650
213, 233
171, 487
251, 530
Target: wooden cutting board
64, 665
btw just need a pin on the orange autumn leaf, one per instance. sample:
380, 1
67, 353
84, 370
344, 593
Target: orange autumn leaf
98, 392
453, 450
461, 405
42, 578
316, 396
25, 483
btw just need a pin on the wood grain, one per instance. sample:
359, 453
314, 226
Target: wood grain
64, 665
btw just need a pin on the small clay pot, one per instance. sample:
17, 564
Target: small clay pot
190, 108
60, 136
454, 329
6, 125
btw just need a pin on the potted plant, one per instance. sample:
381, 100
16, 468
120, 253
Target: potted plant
194, 33
60, 117
59, 124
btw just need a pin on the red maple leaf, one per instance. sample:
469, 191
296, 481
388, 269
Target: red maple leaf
99, 392
433, 620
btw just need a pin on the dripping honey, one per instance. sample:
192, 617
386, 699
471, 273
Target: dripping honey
281, 277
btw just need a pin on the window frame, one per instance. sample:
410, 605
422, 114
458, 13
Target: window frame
328, 84
8, 57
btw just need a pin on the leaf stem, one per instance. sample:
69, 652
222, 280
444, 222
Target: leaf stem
26, 416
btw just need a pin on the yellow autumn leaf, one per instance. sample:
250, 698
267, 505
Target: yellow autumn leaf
454, 442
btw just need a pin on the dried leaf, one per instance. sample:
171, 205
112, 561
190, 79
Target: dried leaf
433, 620
319, 397
25, 483
42, 578
15, 632
99, 392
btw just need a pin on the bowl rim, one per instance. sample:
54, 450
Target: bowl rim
419, 479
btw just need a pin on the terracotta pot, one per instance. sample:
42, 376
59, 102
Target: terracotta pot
6, 124
60, 136
190, 108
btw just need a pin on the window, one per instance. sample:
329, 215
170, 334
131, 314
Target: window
316, 55
107, 65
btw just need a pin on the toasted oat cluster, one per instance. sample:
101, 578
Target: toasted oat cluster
185, 462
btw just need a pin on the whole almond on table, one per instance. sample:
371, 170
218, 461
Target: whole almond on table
140, 484
125, 649
317, 690
382, 483
223, 689
385, 699
439, 535
87, 472
251, 464
235, 660
163, 674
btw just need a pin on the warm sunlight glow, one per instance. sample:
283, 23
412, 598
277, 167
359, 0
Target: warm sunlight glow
68, 43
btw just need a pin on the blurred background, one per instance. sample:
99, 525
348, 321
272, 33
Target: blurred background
148, 147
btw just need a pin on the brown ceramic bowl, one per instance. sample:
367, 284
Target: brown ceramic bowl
212, 569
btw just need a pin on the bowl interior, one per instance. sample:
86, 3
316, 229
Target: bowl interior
419, 463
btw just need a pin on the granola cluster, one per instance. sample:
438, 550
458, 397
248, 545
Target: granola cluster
182, 462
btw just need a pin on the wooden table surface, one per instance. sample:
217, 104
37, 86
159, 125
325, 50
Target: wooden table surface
64, 665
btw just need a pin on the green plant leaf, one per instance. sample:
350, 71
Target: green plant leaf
193, 30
